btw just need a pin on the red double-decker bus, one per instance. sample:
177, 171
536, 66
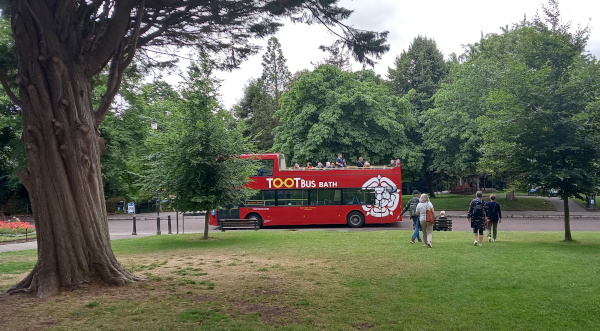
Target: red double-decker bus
285, 196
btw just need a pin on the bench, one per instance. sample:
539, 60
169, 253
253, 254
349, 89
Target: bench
442, 225
238, 224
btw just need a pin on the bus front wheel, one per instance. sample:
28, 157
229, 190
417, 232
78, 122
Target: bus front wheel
255, 216
356, 220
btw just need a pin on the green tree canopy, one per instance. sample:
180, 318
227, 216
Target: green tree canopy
420, 70
329, 111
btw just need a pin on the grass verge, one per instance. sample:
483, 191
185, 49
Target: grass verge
30, 237
461, 202
326, 280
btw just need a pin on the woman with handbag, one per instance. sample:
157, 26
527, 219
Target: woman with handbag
426, 212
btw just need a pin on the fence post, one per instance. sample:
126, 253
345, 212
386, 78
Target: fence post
134, 232
169, 224
177, 221
158, 225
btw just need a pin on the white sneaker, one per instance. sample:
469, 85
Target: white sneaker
490, 239
480, 245
475, 243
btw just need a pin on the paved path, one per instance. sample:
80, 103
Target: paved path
120, 226
559, 205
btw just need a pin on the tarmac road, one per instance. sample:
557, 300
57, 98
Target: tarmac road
120, 226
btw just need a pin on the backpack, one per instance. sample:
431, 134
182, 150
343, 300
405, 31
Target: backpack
412, 209
477, 209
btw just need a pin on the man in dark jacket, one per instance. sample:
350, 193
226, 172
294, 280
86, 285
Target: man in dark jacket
411, 206
477, 215
494, 215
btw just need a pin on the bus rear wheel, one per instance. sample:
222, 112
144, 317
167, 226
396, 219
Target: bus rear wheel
255, 216
355, 220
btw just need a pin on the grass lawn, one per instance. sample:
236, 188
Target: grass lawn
328, 280
461, 202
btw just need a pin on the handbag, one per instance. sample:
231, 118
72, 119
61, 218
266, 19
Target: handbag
487, 220
429, 216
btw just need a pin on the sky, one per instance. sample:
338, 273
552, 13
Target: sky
451, 24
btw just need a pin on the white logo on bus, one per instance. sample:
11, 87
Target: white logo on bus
386, 197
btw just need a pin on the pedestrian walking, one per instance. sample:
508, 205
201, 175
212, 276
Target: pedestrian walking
423, 207
494, 216
411, 207
477, 215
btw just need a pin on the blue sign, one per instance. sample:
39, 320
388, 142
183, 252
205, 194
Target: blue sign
131, 208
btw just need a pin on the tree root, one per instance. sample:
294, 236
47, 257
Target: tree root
47, 284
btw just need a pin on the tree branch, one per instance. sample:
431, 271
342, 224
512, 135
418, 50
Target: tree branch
7, 89
113, 36
117, 68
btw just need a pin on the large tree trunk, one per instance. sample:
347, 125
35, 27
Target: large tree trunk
567, 218
63, 149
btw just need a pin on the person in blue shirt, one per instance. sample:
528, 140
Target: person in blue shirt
339, 162
494, 213
411, 207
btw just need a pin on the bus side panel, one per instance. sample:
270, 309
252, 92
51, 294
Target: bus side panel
298, 215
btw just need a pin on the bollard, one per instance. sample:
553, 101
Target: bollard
158, 225
169, 224
134, 232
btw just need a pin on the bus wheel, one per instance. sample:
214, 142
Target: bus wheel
255, 216
356, 220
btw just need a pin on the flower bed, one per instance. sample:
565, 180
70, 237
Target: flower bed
15, 228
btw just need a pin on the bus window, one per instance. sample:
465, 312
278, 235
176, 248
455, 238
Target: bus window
269, 197
358, 196
266, 168
327, 197
262, 198
292, 197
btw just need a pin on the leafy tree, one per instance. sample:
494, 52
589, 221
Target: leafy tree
275, 75
543, 121
420, 69
328, 111
124, 130
199, 149
453, 135
60, 47
261, 97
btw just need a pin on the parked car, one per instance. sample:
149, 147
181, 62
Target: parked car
532, 190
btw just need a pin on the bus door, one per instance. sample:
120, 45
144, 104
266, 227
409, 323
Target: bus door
294, 207
228, 212
328, 203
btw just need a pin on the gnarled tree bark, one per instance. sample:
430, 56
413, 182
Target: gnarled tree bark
63, 147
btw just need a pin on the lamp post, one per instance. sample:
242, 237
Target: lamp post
154, 126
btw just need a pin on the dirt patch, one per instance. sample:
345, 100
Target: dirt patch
271, 315
237, 285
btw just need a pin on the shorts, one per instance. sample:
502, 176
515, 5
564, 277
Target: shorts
478, 226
